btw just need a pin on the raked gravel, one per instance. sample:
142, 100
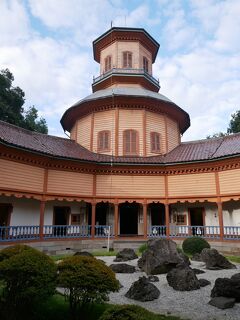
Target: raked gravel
187, 304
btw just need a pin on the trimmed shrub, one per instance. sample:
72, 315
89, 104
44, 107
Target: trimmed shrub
194, 245
11, 251
86, 280
129, 312
29, 277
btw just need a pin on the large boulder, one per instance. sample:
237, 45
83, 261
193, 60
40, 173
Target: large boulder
122, 268
84, 254
214, 260
183, 279
125, 255
160, 257
222, 302
143, 290
225, 287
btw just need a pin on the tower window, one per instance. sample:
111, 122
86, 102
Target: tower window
155, 142
127, 59
104, 141
130, 142
145, 64
107, 63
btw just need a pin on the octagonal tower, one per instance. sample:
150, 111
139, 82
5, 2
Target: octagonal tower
125, 115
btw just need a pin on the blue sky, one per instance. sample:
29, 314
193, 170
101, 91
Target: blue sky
47, 45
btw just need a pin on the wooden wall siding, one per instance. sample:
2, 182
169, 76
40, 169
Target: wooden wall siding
143, 52
20, 176
73, 133
130, 186
104, 120
109, 51
194, 184
64, 182
155, 122
84, 131
229, 181
173, 134
130, 119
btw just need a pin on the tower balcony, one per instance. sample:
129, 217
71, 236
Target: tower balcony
125, 76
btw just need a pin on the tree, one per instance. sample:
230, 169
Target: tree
11, 106
28, 277
234, 124
85, 280
233, 127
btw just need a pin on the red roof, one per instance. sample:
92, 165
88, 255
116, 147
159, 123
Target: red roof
57, 147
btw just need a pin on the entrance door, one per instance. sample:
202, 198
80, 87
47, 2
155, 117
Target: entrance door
61, 218
196, 219
101, 213
129, 219
5, 211
157, 214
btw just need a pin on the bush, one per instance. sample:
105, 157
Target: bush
130, 312
29, 277
86, 280
194, 245
11, 251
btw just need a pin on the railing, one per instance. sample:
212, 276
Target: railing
15, 233
157, 231
209, 232
126, 71
103, 231
70, 231
232, 233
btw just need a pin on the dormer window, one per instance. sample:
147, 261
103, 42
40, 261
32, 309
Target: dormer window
155, 142
130, 142
145, 64
127, 59
104, 141
107, 63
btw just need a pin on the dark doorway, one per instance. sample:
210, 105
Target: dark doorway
101, 213
5, 212
157, 212
196, 219
128, 218
61, 218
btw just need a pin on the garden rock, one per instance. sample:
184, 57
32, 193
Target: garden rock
122, 268
153, 278
198, 271
214, 260
125, 255
204, 282
183, 279
196, 257
222, 302
236, 277
225, 287
143, 290
185, 258
160, 257
83, 253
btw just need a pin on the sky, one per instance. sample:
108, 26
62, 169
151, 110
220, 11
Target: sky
47, 45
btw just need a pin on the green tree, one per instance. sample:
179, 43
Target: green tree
11, 106
86, 280
234, 124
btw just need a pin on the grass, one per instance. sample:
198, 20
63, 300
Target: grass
235, 259
96, 253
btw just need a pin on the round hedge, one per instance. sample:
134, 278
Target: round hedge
11, 251
128, 312
86, 279
194, 245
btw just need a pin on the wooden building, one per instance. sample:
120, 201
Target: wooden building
124, 167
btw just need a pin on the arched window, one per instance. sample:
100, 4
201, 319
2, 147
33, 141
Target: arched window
145, 64
130, 142
127, 59
107, 63
155, 142
104, 141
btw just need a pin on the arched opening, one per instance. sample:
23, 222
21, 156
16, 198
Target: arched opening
129, 213
157, 214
